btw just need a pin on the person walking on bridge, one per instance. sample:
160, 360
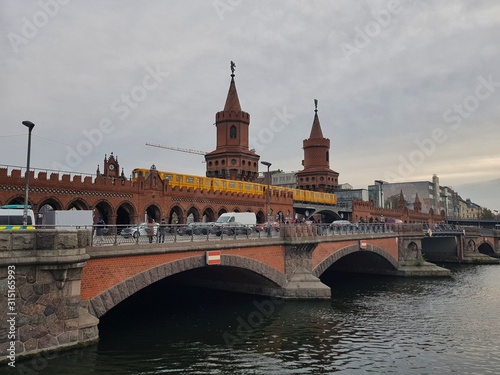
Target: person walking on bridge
151, 229
162, 231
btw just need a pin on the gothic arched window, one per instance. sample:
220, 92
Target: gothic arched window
232, 132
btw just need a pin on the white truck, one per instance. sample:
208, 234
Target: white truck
236, 223
68, 219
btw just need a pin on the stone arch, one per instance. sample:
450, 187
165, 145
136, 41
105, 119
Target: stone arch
176, 215
48, 204
411, 252
222, 210
103, 209
152, 211
125, 213
78, 204
108, 299
194, 212
52, 202
326, 263
236, 209
208, 215
471, 246
486, 248
17, 199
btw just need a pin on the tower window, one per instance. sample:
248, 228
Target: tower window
232, 132
328, 156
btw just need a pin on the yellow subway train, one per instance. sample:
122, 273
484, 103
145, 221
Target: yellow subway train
181, 180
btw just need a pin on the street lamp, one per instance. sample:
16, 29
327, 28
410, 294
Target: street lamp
381, 197
30, 126
268, 165
381, 193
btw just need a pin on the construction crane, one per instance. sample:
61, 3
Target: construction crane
187, 150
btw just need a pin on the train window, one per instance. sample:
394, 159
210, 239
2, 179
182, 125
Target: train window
232, 185
207, 182
189, 180
178, 178
248, 187
216, 183
168, 177
223, 184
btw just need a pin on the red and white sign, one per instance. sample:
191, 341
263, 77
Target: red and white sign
362, 244
213, 257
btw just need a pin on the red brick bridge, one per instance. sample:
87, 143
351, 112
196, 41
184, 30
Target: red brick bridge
64, 285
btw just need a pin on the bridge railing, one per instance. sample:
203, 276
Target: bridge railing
114, 235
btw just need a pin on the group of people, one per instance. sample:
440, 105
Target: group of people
162, 230
100, 230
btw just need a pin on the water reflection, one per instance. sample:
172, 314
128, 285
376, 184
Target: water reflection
371, 325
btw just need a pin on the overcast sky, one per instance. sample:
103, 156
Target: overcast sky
406, 89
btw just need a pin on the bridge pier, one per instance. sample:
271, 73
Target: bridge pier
40, 279
300, 280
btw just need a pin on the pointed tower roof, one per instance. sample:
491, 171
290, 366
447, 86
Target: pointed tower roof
232, 101
417, 199
316, 131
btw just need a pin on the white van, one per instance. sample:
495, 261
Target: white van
245, 218
232, 223
12, 218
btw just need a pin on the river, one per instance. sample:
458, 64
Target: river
372, 325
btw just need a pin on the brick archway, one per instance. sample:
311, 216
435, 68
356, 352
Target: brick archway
78, 204
326, 263
105, 301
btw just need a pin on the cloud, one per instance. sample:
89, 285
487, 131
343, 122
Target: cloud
418, 63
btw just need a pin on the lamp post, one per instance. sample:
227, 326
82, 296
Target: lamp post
381, 196
30, 126
268, 165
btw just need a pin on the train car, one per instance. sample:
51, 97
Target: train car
243, 187
253, 188
139, 172
185, 181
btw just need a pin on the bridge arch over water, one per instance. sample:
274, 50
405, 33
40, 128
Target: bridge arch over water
353, 258
235, 273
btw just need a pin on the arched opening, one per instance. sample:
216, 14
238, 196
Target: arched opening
486, 248
78, 204
125, 214
208, 215
221, 211
102, 210
153, 212
261, 218
175, 216
192, 215
232, 132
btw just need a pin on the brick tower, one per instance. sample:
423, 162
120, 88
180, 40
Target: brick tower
232, 158
317, 174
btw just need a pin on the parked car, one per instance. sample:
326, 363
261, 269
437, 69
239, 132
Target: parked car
231, 229
340, 224
262, 227
197, 228
138, 230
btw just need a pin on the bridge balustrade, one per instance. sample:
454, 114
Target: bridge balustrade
114, 235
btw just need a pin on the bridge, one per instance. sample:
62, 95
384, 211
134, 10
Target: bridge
461, 244
63, 284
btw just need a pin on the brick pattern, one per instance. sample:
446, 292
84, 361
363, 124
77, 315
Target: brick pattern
101, 274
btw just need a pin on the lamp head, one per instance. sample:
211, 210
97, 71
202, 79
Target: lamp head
29, 124
266, 163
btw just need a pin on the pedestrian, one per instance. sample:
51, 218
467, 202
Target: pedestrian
151, 229
100, 228
162, 230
